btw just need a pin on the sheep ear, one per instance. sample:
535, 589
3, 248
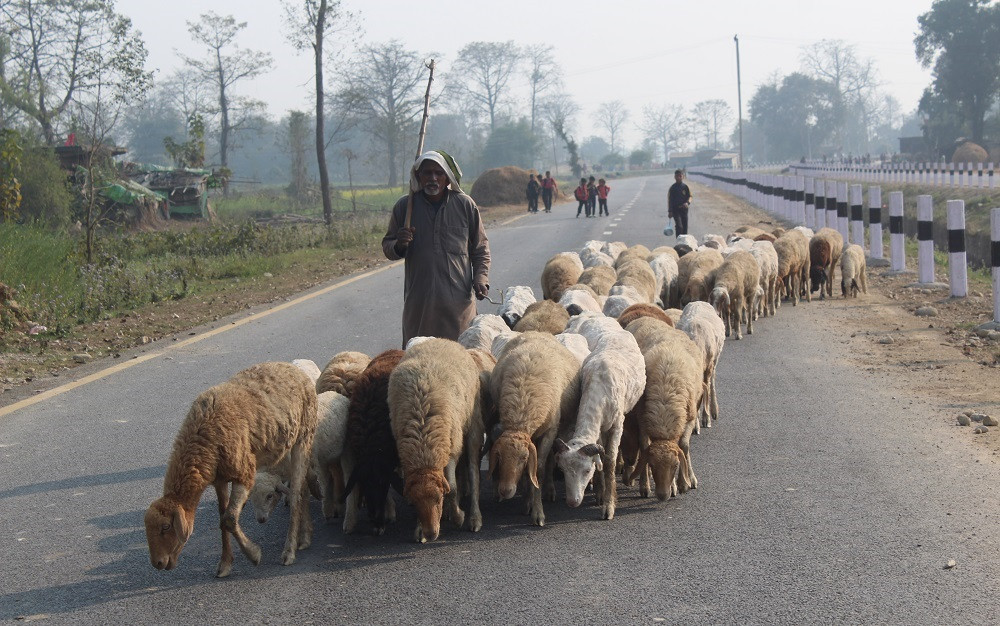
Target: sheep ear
281, 488
182, 527
533, 464
559, 446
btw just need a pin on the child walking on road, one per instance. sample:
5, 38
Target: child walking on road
582, 196
602, 196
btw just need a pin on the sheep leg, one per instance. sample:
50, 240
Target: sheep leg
330, 493
613, 438
734, 314
750, 318
226, 562
296, 522
231, 522
338, 488
353, 498
714, 402
473, 454
544, 448
451, 503
687, 470
390, 508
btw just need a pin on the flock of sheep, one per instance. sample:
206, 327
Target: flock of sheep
607, 376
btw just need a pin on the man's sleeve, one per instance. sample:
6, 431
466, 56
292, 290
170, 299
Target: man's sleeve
396, 221
479, 248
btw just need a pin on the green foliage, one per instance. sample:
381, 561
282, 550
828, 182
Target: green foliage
640, 157
612, 159
10, 169
796, 116
961, 40
191, 153
513, 144
45, 191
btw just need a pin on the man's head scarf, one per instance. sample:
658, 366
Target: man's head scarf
447, 163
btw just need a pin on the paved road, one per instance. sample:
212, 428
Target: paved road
822, 496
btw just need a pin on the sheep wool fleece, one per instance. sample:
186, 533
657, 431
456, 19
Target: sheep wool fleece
448, 253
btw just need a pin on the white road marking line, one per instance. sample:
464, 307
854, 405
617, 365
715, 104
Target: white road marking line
607, 232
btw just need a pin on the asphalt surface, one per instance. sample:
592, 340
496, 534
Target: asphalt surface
823, 497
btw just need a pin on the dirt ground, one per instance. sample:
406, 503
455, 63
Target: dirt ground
939, 359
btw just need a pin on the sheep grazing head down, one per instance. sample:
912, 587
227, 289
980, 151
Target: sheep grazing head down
426, 489
267, 492
509, 456
817, 276
374, 486
664, 459
168, 527
720, 301
578, 460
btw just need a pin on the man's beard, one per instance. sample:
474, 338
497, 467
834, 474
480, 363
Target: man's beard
432, 189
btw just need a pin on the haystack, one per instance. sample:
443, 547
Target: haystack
501, 185
969, 152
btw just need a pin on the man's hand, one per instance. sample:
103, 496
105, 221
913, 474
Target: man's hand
481, 289
404, 236
670, 215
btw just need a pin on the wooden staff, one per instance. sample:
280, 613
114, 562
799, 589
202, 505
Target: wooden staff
420, 137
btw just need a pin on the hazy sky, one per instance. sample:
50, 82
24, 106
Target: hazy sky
636, 51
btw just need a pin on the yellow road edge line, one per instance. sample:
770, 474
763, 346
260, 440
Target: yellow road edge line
51, 393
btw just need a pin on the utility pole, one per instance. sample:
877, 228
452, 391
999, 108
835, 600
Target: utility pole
739, 97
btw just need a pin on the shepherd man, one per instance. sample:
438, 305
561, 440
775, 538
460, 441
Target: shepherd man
446, 252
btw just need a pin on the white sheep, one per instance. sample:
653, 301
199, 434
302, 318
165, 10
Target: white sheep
734, 291
592, 258
767, 260
612, 380
482, 330
340, 372
853, 271
575, 343
700, 321
309, 367
575, 301
614, 249
665, 270
515, 300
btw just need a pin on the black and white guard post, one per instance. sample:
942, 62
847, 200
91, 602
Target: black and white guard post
842, 213
857, 216
925, 239
820, 215
810, 185
875, 222
897, 253
958, 271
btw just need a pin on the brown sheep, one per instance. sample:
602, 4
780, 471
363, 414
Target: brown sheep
600, 278
825, 249
559, 273
545, 316
253, 420
735, 287
765, 237
750, 232
668, 410
643, 309
435, 409
793, 261
694, 277
536, 387
341, 372
636, 272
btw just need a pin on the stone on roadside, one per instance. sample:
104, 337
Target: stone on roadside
83, 357
977, 417
950, 564
981, 430
926, 311
963, 420
989, 420
885, 340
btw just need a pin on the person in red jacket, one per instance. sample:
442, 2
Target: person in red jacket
549, 190
582, 196
602, 196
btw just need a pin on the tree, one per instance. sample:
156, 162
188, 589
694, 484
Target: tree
145, 125
298, 132
639, 158
49, 56
309, 23
382, 89
99, 106
225, 66
544, 75
191, 152
961, 40
852, 82
480, 76
664, 124
560, 111
794, 116
511, 144
611, 116
593, 148
708, 116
